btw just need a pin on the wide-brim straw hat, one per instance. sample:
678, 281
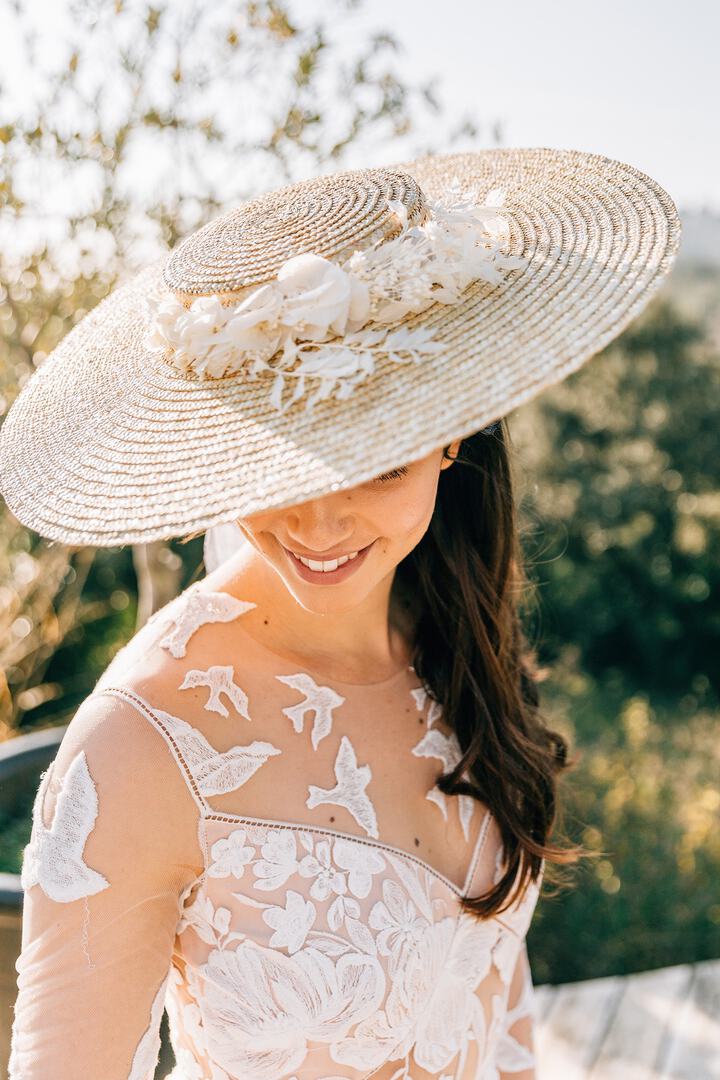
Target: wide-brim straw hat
109, 444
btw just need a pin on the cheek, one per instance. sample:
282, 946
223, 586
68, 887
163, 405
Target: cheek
405, 520
257, 527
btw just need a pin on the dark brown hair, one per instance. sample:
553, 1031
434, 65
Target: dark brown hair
462, 589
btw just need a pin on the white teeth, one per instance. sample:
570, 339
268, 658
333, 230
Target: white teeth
325, 565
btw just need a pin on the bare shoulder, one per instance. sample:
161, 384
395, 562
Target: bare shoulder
138, 656
115, 772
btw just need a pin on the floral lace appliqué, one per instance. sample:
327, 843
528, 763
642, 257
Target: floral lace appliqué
318, 700
366, 961
349, 791
220, 679
54, 857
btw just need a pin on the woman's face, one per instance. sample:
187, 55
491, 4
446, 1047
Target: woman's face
352, 539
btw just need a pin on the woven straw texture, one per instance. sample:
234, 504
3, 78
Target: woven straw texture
109, 443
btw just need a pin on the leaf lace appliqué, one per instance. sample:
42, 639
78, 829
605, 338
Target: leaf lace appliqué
216, 773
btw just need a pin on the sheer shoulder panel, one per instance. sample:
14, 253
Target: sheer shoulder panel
117, 844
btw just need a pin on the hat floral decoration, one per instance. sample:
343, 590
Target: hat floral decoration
324, 322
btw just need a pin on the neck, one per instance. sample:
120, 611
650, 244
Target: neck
363, 643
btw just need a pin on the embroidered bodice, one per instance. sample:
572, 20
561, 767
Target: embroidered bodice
264, 854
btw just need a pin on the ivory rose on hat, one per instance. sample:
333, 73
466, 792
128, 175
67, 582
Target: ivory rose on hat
320, 296
325, 323
251, 326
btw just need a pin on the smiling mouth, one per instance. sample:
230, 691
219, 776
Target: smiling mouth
327, 570
325, 565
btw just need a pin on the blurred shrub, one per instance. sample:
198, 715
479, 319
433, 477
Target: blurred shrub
627, 492
621, 505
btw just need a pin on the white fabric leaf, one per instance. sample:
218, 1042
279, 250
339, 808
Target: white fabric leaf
360, 936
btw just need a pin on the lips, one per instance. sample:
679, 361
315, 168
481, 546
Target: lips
326, 565
342, 570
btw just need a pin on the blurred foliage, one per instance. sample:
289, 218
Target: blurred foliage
624, 454
644, 792
620, 500
619, 490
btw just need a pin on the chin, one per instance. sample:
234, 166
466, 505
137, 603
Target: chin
335, 601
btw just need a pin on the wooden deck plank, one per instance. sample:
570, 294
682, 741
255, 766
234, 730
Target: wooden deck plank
574, 1026
634, 1039
692, 1049
544, 996
654, 1025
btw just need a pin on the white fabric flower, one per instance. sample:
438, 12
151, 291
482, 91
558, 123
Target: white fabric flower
290, 923
230, 855
439, 980
279, 860
342, 907
320, 296
209, 923
259, 1036
399, 925
251, 327
327, 878
361, 862
322, 324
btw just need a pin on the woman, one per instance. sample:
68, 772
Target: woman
307, 808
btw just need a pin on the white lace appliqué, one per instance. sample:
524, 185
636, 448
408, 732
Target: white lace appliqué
146, 1056
446, 749
390, 976
420, 696
200, 608
511, 1055
319, 701
54, 857
349, 790
216, 773
220, 679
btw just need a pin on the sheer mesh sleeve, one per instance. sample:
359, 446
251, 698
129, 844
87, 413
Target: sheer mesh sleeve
115, 844
515, 1051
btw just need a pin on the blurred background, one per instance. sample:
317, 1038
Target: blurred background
124, 125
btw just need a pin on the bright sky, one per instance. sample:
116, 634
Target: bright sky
634, 79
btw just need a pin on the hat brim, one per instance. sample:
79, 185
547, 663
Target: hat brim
109, 444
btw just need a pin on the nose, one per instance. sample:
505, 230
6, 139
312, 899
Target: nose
319, 525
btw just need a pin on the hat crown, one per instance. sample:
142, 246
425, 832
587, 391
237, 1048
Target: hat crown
330, 216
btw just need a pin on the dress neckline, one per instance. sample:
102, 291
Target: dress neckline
367, 841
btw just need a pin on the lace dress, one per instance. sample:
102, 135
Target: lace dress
262, 853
